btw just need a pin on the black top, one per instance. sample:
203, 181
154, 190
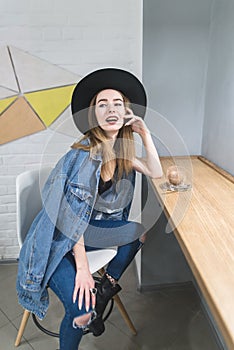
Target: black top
104, 185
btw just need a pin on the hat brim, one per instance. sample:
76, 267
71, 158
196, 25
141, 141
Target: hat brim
107, 78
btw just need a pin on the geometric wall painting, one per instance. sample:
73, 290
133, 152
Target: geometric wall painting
50, 103
6, 102
35, 74
19, 120
33, 93
7, 76
65, 125
4, 92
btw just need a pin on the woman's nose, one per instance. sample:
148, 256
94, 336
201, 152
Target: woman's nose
111, 108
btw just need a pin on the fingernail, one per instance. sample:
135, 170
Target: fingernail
79, 307
87, 308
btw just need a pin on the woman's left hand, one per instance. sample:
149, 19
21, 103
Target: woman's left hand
137, 123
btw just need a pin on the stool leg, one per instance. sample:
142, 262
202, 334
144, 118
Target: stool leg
22, 327
124, 313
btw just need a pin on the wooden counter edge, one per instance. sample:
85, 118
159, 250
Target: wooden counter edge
221, 171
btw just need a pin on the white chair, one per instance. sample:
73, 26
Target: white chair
28, 202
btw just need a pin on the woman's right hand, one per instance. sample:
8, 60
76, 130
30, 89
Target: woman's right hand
83, 283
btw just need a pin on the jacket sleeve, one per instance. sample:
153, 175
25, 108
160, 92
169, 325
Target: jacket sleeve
36, 247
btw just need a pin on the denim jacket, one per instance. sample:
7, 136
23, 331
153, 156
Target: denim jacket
68, 198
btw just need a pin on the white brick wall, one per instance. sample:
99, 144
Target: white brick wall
77, 35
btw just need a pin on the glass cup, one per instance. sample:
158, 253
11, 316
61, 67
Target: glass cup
175, 175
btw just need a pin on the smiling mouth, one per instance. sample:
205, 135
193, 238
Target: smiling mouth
112, 119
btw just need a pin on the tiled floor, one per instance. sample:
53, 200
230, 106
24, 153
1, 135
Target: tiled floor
169, 319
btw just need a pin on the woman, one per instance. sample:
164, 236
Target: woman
86, 202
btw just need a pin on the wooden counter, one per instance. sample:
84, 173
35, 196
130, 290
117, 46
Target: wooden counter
203, 223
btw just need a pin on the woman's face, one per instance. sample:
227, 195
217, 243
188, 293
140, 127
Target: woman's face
110, 111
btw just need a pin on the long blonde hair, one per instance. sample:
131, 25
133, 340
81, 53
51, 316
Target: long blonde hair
120, 155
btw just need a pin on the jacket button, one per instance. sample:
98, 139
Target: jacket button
87, 212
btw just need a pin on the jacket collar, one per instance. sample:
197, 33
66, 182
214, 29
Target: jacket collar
96, 155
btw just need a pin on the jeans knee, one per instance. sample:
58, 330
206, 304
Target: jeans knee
83, 321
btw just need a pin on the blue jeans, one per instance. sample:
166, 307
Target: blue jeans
125, 254
63, 279
107, 233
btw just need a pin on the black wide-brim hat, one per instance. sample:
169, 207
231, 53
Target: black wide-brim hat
107, 78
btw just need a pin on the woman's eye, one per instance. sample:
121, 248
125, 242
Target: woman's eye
118, 104
102, 105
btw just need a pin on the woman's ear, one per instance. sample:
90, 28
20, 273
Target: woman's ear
127, 107
127, 111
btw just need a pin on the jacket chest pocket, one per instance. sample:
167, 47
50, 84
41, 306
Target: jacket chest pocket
77, 199
80, 193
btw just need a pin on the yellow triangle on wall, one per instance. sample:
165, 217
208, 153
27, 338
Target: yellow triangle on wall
49, 104
6, 102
